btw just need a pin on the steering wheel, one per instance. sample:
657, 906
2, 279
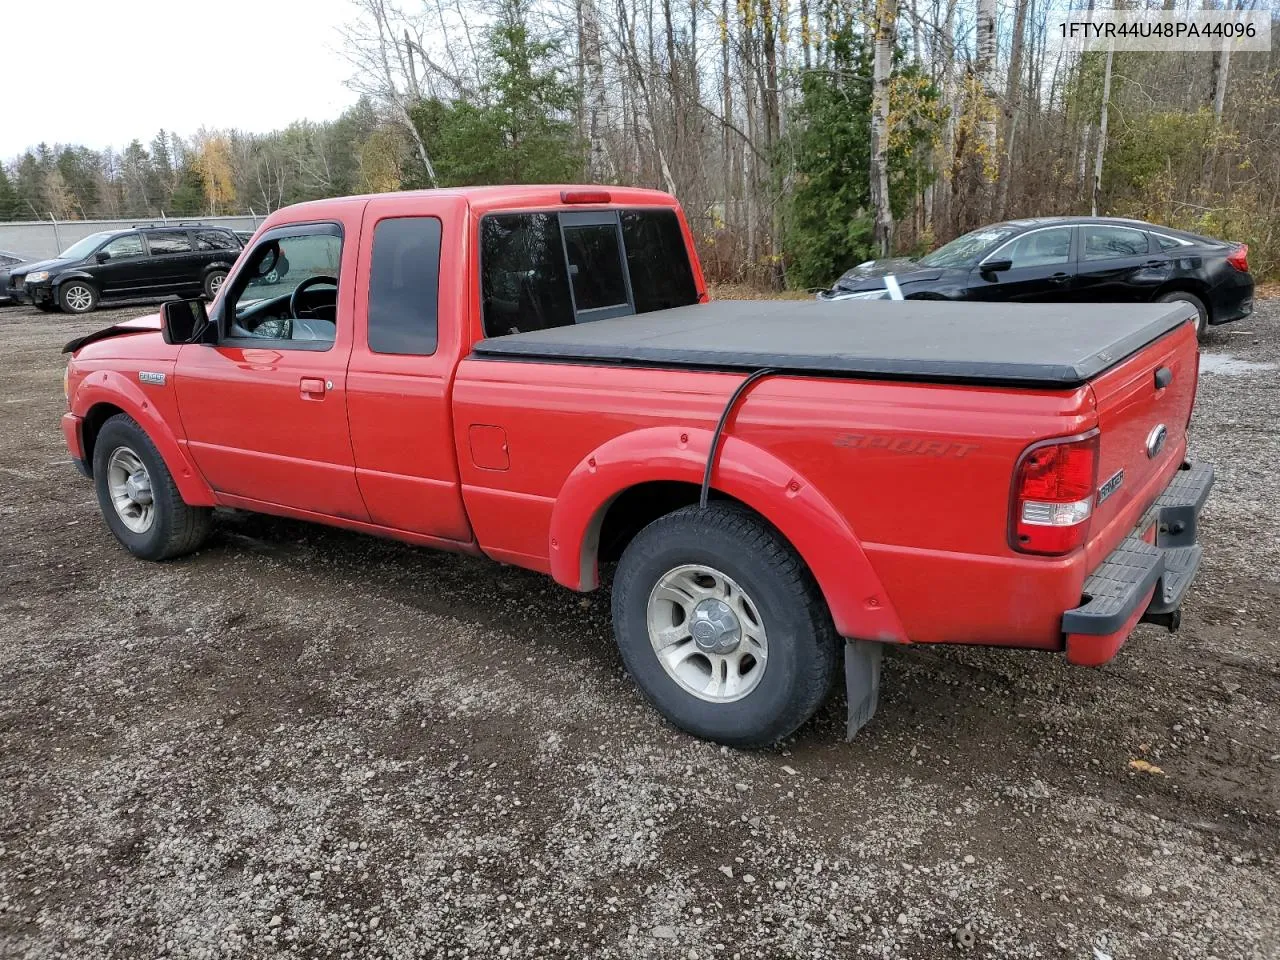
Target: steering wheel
309, 282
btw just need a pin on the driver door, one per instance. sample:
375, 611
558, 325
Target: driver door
1041, 268
265, 409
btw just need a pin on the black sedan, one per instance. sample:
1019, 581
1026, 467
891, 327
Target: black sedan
1068, 259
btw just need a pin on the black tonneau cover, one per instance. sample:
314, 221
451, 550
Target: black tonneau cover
1036, 345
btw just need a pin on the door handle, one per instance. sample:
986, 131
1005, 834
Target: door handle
1059, 278
312, 388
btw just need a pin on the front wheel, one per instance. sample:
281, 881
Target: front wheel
138, 498
77, 296
722, 626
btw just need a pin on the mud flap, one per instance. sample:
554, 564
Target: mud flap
862, 682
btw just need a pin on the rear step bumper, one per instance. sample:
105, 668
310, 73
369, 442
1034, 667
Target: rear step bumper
1140, 581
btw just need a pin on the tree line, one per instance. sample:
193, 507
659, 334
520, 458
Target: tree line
802, 136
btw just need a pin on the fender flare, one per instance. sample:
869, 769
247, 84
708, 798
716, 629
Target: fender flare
858, 602
114, 389
73, 274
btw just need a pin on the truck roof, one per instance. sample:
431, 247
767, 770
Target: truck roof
484, 199
1050, 345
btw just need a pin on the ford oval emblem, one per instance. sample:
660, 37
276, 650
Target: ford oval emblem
1155, 440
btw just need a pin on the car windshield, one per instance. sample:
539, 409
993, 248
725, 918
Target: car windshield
964, 250
82, 248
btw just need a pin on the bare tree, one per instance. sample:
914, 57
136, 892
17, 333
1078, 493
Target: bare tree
886, 22
1102, 133
985, 69
1012, 106
386, 70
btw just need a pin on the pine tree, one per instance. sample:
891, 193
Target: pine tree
8, 196
520, 129
29, 188
830, 223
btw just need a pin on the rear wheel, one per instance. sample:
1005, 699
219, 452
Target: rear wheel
77, 296
1202, 312
138, 498
213, 283
722, 626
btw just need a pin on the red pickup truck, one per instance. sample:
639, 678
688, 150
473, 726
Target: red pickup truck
535, 374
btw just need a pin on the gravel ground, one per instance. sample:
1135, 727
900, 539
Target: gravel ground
303, 742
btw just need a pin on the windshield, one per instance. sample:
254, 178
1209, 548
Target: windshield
82, 248
964, 250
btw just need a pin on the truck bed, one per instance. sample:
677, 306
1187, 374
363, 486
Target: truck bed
1048, 345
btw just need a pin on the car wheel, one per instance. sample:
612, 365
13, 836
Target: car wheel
77, 296
722, 626
1202, 313
213, 283
138, 498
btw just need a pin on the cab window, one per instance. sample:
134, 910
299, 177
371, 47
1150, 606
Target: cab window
122, 248
404, 282
540, 270
287, 291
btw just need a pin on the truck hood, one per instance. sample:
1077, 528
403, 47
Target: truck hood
149, 323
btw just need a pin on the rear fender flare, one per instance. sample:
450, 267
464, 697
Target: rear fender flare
801, 513
115, 389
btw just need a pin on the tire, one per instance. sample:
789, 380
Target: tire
1181, 296
77, 296
174, 528
776, 598
213, 283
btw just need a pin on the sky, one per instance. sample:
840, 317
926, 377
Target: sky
109, 72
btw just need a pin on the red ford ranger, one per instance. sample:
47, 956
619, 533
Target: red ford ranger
535, 374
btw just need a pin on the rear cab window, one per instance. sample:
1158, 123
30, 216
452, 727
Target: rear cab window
404, 286
551, 269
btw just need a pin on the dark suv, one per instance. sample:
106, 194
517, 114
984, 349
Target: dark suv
145, 261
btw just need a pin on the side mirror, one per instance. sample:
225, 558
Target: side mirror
266, 259
102, 256
183, 321
995, 266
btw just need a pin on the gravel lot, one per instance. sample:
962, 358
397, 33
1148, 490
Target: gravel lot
303, 742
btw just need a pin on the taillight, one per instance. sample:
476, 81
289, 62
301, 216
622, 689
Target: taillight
1239, 258
1054, 485
1195, 385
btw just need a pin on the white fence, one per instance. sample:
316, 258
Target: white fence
45, 239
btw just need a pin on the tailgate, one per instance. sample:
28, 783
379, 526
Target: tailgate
1143, 406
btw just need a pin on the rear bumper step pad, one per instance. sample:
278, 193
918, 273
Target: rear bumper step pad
1135, 570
